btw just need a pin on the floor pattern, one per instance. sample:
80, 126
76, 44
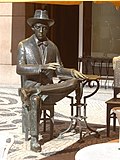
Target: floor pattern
10, 121
11, 115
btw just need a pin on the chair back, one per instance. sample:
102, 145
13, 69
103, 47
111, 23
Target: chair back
22, 80
116, 78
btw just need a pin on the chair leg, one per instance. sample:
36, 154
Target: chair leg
44, 120
108, 120
51, 123
114, 122
51, 118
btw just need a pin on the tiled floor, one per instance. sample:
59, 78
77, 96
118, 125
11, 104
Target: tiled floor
10, 121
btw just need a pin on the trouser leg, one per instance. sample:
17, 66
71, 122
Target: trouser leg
35, 113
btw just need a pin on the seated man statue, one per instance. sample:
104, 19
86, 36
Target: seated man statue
39, 61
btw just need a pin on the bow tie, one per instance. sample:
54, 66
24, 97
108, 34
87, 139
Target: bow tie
45, 43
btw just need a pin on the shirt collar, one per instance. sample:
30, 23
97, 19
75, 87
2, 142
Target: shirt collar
45, 43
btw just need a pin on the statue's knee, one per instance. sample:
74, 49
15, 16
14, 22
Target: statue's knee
35, 101
34, 98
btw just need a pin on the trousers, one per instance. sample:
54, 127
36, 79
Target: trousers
43, 95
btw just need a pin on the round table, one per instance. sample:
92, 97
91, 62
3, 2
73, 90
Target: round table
102, 151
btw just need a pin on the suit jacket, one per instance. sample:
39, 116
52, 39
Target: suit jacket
29, 63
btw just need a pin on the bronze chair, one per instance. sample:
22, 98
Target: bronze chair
115, 101
25, 113
47, 114
63, 90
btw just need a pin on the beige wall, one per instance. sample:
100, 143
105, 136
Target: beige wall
12, 30
5, 32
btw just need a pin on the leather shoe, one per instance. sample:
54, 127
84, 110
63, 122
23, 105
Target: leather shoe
35, 146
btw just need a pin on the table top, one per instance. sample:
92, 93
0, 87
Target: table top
92, 77
101, 151
89, 76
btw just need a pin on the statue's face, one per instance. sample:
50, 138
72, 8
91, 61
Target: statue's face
40, 31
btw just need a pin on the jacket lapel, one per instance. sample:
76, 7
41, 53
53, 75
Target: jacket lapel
35, 51
36, 55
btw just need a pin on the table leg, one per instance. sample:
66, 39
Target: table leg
78, 118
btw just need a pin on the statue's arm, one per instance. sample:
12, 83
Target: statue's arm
68, 72
22, 67
61, 71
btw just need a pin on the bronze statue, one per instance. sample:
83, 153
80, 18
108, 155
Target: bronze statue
38, 62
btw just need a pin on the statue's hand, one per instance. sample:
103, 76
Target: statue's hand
52, 66
79, 75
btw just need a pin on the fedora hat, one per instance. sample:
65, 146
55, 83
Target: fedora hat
40, 16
